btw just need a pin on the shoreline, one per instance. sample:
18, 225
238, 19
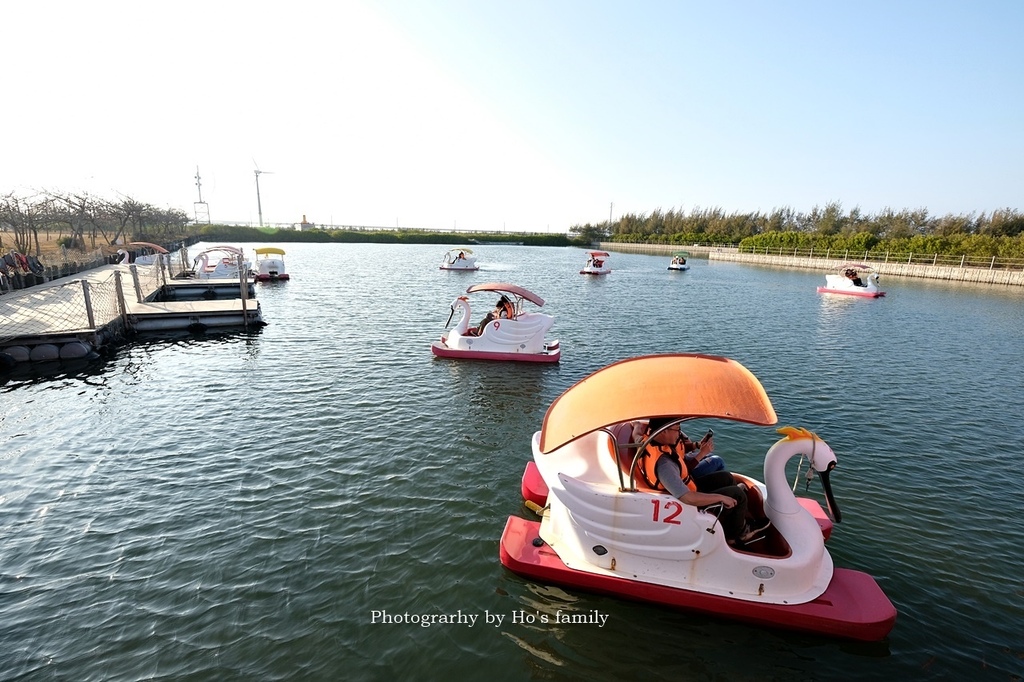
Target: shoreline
947, 273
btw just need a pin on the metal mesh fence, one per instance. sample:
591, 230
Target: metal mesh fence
50, 310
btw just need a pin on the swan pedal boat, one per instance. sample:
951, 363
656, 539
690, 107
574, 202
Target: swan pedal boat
154, 254
219, 262
270, 265
519, 338
459, 259
853, 279
679, 261
603, 530
597, 263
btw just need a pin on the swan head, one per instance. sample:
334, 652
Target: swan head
124, 257
463, 324
800, 441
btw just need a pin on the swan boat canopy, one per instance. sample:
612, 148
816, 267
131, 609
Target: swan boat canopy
597, 263
602, 529
853, 279
220, 262
150, 254
518, 336
270, 265
679, 261
459, 259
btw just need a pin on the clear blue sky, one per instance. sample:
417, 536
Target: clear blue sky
526, 115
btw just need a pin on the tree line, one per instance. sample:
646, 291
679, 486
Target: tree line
83, 221
238, 233
999, 233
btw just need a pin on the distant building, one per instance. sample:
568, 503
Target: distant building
304, 225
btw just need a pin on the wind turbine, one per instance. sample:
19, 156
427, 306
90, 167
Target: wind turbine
259, 204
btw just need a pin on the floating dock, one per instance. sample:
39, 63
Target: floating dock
73, 318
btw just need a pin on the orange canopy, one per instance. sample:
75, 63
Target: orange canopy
505, 287
678, 385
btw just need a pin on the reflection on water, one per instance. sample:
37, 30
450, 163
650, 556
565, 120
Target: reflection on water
236, 505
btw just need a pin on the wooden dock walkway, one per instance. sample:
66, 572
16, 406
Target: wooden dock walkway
74, 315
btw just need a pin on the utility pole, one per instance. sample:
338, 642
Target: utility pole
259, 205
202, 211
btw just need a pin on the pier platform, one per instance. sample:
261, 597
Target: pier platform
74, 317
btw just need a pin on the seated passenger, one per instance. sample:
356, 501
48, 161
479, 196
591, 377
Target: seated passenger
663, 465
503, 309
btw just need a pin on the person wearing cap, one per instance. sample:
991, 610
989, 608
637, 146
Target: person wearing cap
664, 467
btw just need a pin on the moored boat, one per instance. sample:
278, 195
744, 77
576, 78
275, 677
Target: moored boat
219, 262
270, 265
603, 529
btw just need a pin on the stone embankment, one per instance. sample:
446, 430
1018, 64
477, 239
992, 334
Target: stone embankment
982, 275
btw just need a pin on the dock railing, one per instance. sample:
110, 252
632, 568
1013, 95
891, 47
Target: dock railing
78, 305
884, 257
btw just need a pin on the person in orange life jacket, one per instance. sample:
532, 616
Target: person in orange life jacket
503, 309
665, 467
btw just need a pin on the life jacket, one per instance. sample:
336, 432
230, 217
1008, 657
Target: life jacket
508, 310
649, 460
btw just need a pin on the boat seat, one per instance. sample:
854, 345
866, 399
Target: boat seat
626, 434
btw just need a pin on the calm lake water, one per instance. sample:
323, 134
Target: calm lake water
238, 506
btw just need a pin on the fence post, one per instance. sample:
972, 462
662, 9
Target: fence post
243, 281
993, 264
121, 304
910, 258
935, 258
847, 255
962, 259
135, 278
88, 304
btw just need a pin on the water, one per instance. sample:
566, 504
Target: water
238, 506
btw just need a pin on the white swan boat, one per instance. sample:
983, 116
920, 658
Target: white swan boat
151, 254
220, 262
459, 259
519, 336
853, 279
602, 529
270, 265
597, 263
679, 261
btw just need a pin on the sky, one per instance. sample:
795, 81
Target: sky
534, 115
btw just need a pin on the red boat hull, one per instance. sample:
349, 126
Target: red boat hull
866, 294
443, 351
853, 606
